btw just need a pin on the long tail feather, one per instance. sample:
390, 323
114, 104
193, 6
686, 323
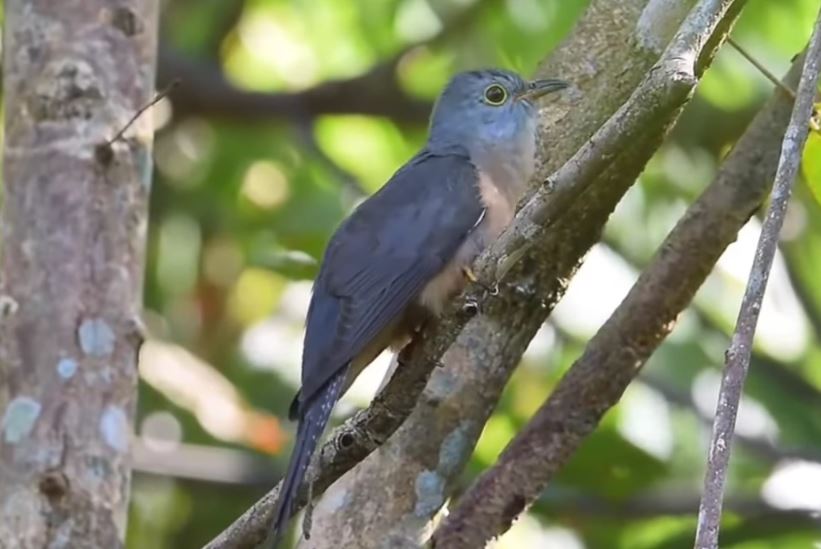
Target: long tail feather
311, 426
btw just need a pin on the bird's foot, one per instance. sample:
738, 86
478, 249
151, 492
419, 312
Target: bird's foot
471, 277
471, 306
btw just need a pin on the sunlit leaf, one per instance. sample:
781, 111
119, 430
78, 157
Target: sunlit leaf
811, 164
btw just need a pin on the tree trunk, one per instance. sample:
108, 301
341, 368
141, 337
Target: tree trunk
73, 222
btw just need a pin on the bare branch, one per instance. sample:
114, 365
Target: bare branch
206, 90
615, 354
761, 68
156, 99
103, 152
738, 355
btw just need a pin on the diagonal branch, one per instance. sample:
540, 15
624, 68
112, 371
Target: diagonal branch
738, 355
616, 353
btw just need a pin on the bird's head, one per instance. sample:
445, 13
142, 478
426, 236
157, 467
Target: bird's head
488, 110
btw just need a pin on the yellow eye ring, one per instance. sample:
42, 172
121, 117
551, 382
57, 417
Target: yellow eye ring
495, 95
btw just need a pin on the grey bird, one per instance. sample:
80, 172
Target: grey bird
408, 248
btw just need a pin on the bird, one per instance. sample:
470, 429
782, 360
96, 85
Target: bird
407, 249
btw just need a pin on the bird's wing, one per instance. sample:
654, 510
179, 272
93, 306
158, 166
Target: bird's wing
382, 256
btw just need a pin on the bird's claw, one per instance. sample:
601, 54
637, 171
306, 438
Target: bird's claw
471, 306
471, 276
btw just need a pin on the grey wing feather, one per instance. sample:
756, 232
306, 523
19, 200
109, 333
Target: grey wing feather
383, 255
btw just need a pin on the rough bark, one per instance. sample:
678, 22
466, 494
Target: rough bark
73, 228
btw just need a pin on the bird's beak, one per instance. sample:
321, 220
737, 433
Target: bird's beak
537, 88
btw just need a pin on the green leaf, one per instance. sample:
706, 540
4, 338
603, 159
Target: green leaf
811, 164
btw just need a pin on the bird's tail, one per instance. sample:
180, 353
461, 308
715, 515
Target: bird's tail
312, 424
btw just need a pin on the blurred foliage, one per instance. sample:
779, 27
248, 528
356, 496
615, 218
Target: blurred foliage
241, 211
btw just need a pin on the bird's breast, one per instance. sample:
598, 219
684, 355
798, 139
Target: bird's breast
499, 210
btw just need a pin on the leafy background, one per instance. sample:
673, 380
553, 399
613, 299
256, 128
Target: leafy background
253, 170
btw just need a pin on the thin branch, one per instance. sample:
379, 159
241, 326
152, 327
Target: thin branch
615, 354
738, 355
377, 92
649, 112
761, 68
157, 98
103, 151
207, 91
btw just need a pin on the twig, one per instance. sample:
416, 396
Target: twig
738, 355
157, 98
103, 152
761, 68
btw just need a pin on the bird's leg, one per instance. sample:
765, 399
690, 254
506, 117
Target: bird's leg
489, 290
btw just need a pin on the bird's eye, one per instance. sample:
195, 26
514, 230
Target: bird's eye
495, 95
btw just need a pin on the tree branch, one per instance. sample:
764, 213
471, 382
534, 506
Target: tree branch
615, 354
205, 90
622, 41
738, 355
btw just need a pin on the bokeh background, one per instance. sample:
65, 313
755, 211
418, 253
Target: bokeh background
287, 116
